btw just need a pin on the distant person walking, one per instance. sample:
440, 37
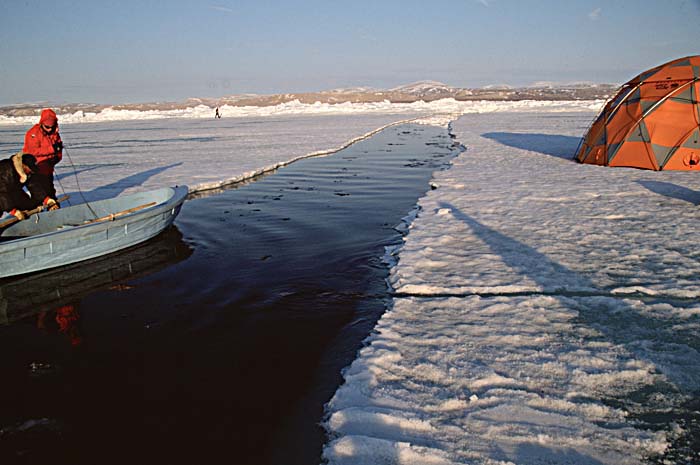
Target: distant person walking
217, 115
44, 142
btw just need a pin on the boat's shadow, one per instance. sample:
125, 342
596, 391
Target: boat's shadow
21, 297
118, 187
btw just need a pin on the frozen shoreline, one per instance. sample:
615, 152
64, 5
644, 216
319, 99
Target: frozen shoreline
295, 107
543, 309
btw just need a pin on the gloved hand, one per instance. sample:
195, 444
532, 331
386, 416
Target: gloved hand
58, 146
19, 214
51, 204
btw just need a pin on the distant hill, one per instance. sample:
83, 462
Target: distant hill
427, 91
425, 88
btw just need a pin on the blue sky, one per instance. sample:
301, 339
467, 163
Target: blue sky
140, 51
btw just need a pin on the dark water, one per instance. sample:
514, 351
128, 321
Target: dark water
219, 341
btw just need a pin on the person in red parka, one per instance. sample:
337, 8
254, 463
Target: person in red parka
44, 142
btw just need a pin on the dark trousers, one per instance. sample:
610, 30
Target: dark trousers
18, 199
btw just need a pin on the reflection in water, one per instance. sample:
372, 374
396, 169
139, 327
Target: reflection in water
52, 290
44, 308
65, 320
229, 356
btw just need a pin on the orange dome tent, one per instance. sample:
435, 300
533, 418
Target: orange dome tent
653, 121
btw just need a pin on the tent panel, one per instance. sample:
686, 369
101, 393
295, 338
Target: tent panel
661, 153
680, 62
684, 96
693, 140
624, 119
626, 96
684, 159
612, 150
601, 139
690, 61
647, 105
621, 95
635, 155
594, 156
672, 73
639, 133
597, 133
670, 123
582, 151
648, 73
634, 97
656, 90
595, 136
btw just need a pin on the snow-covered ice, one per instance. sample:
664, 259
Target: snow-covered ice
543, 310
129, 156
120, 151
542, 307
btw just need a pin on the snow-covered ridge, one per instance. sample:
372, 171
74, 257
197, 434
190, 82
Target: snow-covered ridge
424, 87
417, 92
447, 106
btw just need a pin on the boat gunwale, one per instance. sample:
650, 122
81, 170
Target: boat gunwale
70, 232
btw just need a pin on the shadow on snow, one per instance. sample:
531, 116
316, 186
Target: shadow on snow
671, 190
74, 172
547, 144
114, 189
618, 322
